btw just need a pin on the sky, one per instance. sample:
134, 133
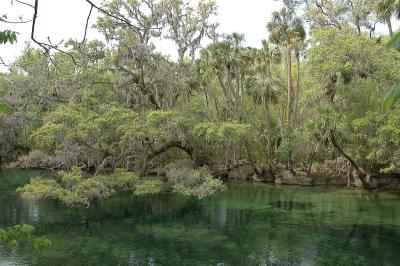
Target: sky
64, 19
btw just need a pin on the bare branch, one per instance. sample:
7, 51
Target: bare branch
2, 62
122, 19
87, 24
22, 2
46, 46
2, 19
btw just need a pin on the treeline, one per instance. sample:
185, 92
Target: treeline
301, 100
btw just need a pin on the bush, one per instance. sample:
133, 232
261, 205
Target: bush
76, 190
34, 159
149, 187
188, 181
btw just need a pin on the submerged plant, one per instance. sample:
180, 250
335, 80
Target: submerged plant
13, 236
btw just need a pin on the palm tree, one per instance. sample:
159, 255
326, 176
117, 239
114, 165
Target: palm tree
385, 10
394, 94
264, 88
392, 7
298, 49
287, 30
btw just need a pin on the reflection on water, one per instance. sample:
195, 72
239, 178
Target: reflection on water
249, 224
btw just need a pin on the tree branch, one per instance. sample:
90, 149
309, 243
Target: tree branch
361, 175
172, 144
22, 2
46, 47
2, 62
102, 10
2, 19
87, 23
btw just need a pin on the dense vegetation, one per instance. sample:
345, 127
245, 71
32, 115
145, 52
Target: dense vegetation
312, 95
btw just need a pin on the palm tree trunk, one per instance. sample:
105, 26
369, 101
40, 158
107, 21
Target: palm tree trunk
268, 127
267, 121
289, 102
290, 85
297, 93
389, 24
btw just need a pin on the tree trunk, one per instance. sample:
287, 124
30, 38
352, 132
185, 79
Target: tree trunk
312, 158
247, 117
289, 102
252, 163
349, 175
389, 24
267, 119
297, 93
290, 85
205, 94
361, 175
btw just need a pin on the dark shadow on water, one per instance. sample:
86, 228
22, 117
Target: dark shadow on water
291, 205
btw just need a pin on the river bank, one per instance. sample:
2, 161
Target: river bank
335, 172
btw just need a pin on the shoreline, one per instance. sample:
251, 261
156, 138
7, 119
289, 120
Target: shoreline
242, 173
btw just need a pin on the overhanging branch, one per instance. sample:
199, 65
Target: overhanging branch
170, 145
47, 47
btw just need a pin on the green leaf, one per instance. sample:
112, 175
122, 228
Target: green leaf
8, 36
41, 243
3, 108
395, 41
392, 97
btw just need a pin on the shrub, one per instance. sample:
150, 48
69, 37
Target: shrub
188, 181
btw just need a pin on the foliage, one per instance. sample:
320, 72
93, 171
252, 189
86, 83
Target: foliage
382, 133
355, 72
392, 97
34, 159
3, 108
197, 183
13, 236
149, 187
75, 190
219, 132
8, 36
394, 94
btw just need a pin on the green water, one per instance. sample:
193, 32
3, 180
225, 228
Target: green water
249, 224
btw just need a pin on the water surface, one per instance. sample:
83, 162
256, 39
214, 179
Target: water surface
248, 224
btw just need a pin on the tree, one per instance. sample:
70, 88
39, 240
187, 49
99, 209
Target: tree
338, 13
349, 85
133, 35
286, 30
187, 26
386, 9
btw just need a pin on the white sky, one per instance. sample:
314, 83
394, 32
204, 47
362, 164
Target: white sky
64, 19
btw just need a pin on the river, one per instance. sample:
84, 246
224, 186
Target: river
248, 224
